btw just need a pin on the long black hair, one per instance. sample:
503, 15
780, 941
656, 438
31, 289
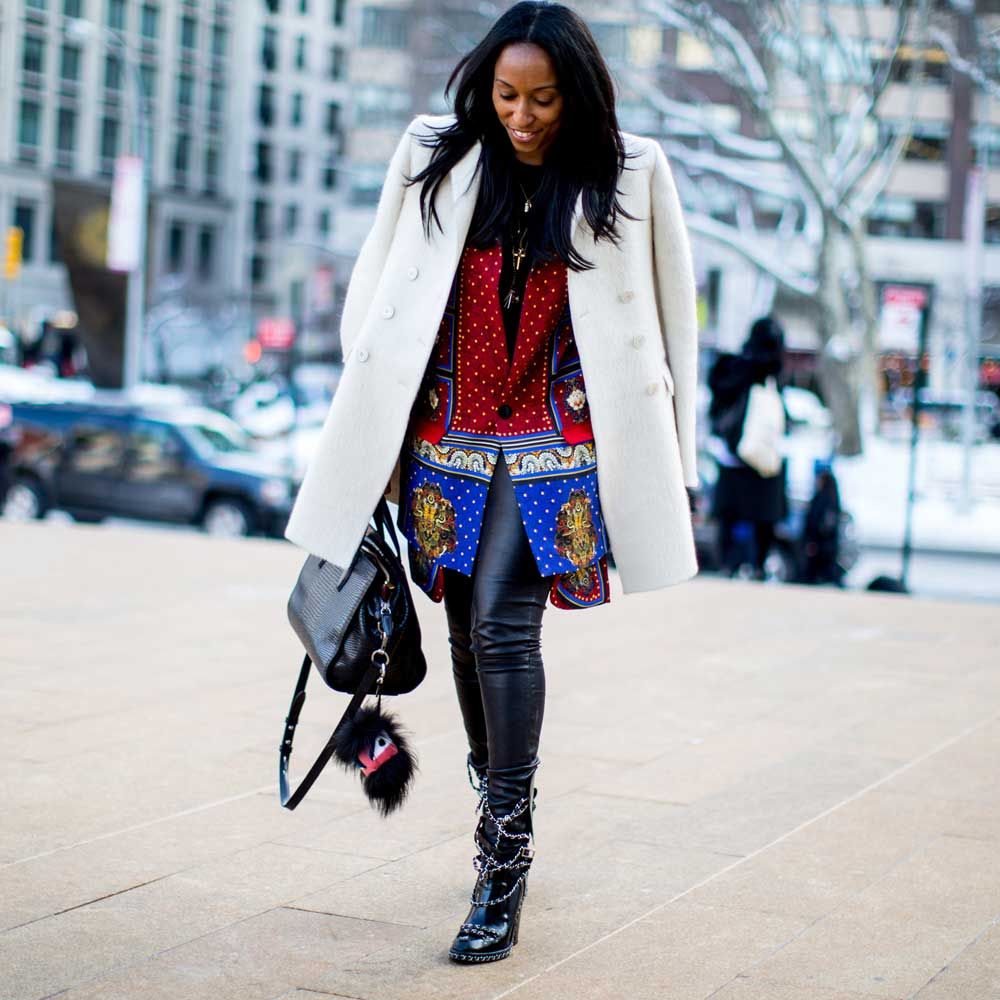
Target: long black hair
587, 153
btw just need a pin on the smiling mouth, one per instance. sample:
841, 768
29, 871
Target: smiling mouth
523, 136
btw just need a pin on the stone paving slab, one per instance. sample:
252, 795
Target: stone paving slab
747, 793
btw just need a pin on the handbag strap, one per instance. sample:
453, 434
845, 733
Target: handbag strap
291, 799
383, 521
383, 524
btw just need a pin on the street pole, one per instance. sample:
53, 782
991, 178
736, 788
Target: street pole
911, 480
135, 307
973, 225
136, 292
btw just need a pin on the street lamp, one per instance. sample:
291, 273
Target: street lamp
136, 292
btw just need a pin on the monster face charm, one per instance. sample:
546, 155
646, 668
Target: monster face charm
374, 746
382, 749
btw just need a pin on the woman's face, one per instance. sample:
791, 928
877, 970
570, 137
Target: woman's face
527, 99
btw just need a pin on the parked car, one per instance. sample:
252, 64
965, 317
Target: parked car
157, 462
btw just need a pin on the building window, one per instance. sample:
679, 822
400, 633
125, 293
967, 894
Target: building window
269, 49
206, 252
928, 142
69, 63
211, 170
381, 106
112, 72
261, 220
297, 108
384, 28
35, 4
220, 39
291, 219
295, 165
330, 172
336, 62
984, 146
147, 77
991, 231
33, 55
109, 138
303, 7
55, 247
185, 91
189, 32
300, 52
29, 124
182, 159
906, 218
73, 8
216, 96
150, 21
264, 163
323, 222
365, 190
66, 130
258, 270
337, 11
273, 6
24, 218
331, 124
265, 104
175, 247
116, 14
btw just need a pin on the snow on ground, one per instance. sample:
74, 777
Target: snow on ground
873, 487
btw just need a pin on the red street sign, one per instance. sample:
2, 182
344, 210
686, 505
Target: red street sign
276, 333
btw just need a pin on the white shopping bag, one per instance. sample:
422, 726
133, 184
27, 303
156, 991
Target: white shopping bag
763, 429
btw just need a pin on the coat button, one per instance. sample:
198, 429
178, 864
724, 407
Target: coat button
652, 388
412, 272
638, 340
388, 312
362, 354
627, 296
503, 410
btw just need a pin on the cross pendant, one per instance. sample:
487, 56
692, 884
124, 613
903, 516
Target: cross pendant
518, 255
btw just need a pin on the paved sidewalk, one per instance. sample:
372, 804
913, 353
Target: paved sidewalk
747, 793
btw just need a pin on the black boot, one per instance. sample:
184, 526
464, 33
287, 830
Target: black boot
504, 837
477, 774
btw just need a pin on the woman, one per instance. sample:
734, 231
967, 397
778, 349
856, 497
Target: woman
742, 494
506, 333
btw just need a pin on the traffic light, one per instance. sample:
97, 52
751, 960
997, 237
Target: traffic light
12, 253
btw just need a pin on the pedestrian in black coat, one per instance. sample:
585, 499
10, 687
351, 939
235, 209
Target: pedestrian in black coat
821, 532
742, 493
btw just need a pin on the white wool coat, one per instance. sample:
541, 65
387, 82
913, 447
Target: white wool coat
634, 321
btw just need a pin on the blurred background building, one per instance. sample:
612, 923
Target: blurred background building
271, 122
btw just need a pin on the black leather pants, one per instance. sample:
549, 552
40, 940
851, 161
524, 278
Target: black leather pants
494, 623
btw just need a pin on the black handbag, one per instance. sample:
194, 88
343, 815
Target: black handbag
360, 630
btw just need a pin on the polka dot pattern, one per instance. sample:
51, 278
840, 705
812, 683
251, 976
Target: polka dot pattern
476, 406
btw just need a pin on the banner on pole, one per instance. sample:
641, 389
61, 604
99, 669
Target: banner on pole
125, 224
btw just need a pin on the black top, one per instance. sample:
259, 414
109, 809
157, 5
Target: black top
528, 176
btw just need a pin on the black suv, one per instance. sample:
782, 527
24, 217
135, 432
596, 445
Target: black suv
179, 464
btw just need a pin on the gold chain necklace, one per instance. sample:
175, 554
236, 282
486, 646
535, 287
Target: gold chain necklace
519, 253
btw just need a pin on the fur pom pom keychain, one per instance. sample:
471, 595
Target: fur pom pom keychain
372, 742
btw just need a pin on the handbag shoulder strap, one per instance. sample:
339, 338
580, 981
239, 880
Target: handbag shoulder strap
291, 799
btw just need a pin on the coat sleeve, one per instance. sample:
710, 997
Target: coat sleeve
675, 288
371, 257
